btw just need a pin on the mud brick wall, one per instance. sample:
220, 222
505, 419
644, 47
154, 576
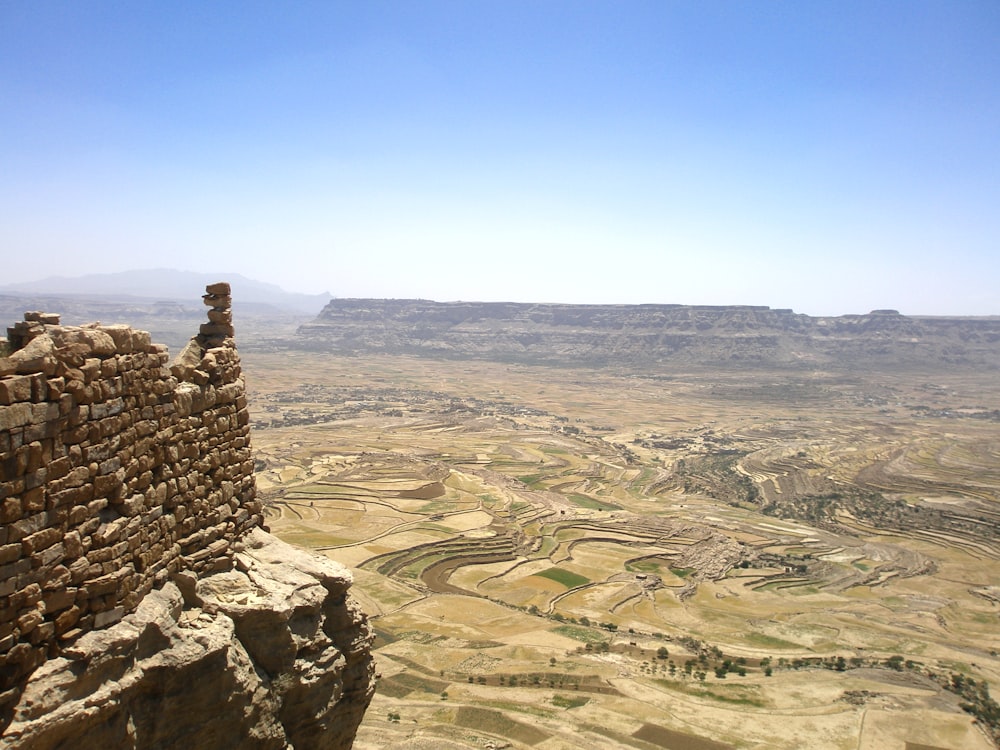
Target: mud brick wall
116, 472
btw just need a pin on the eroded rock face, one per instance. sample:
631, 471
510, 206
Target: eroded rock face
650, 335
274, 654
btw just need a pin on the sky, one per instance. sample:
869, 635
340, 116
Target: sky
829, 157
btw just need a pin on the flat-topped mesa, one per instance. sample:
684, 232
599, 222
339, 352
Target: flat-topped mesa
652, 336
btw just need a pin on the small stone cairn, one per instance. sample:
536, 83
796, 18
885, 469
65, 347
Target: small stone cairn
215, 334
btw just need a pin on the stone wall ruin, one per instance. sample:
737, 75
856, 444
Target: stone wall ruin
117, 472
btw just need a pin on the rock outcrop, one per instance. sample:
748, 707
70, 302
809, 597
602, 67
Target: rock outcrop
651, 335
271, 655
141, 604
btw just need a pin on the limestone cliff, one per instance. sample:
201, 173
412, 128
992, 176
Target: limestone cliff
651, 335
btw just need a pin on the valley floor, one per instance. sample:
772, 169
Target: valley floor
564, 558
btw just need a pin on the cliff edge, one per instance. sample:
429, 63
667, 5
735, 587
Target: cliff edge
141, 603
651, 336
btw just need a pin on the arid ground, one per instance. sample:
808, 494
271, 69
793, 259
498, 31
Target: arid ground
693, 560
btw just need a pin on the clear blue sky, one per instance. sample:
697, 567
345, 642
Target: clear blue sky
832, 157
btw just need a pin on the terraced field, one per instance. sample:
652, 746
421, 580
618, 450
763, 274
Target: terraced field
558, 558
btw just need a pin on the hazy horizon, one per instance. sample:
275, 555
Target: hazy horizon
832, 159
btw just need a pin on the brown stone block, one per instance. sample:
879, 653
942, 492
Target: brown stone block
76, 435
216, 330
107, 485
80, 391
73, 544
99, 587
15, 388
15, 464
219, 287
33, 453
92, 523
218, 301
33, 500
58, 468
78, 515
10, 552
40, 388
67, 620
60, 599
79, 570
42, 634
42, 430
142, 342
28, 596
91, 369
41, 540
220, 317
49, 556
78, 414
79, 495
15, 415
35, 480
44, 412
29, 620
55, 388
27, 526
38, 355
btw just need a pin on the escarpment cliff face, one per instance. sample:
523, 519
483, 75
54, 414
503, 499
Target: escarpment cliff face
648, 335
141, 605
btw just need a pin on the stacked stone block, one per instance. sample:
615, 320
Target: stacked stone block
117, 471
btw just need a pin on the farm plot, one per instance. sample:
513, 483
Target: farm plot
679, 516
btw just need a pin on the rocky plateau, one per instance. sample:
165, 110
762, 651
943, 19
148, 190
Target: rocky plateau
648, 335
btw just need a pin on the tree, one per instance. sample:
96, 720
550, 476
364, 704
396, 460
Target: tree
662, 653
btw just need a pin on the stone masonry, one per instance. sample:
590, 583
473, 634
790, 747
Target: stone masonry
118, 473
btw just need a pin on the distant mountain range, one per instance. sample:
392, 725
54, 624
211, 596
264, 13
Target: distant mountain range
653, 336
152, 288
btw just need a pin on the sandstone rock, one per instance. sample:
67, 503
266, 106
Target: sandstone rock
51, 319
220, 288
38, 355
96, 341
188, 359
250, 660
